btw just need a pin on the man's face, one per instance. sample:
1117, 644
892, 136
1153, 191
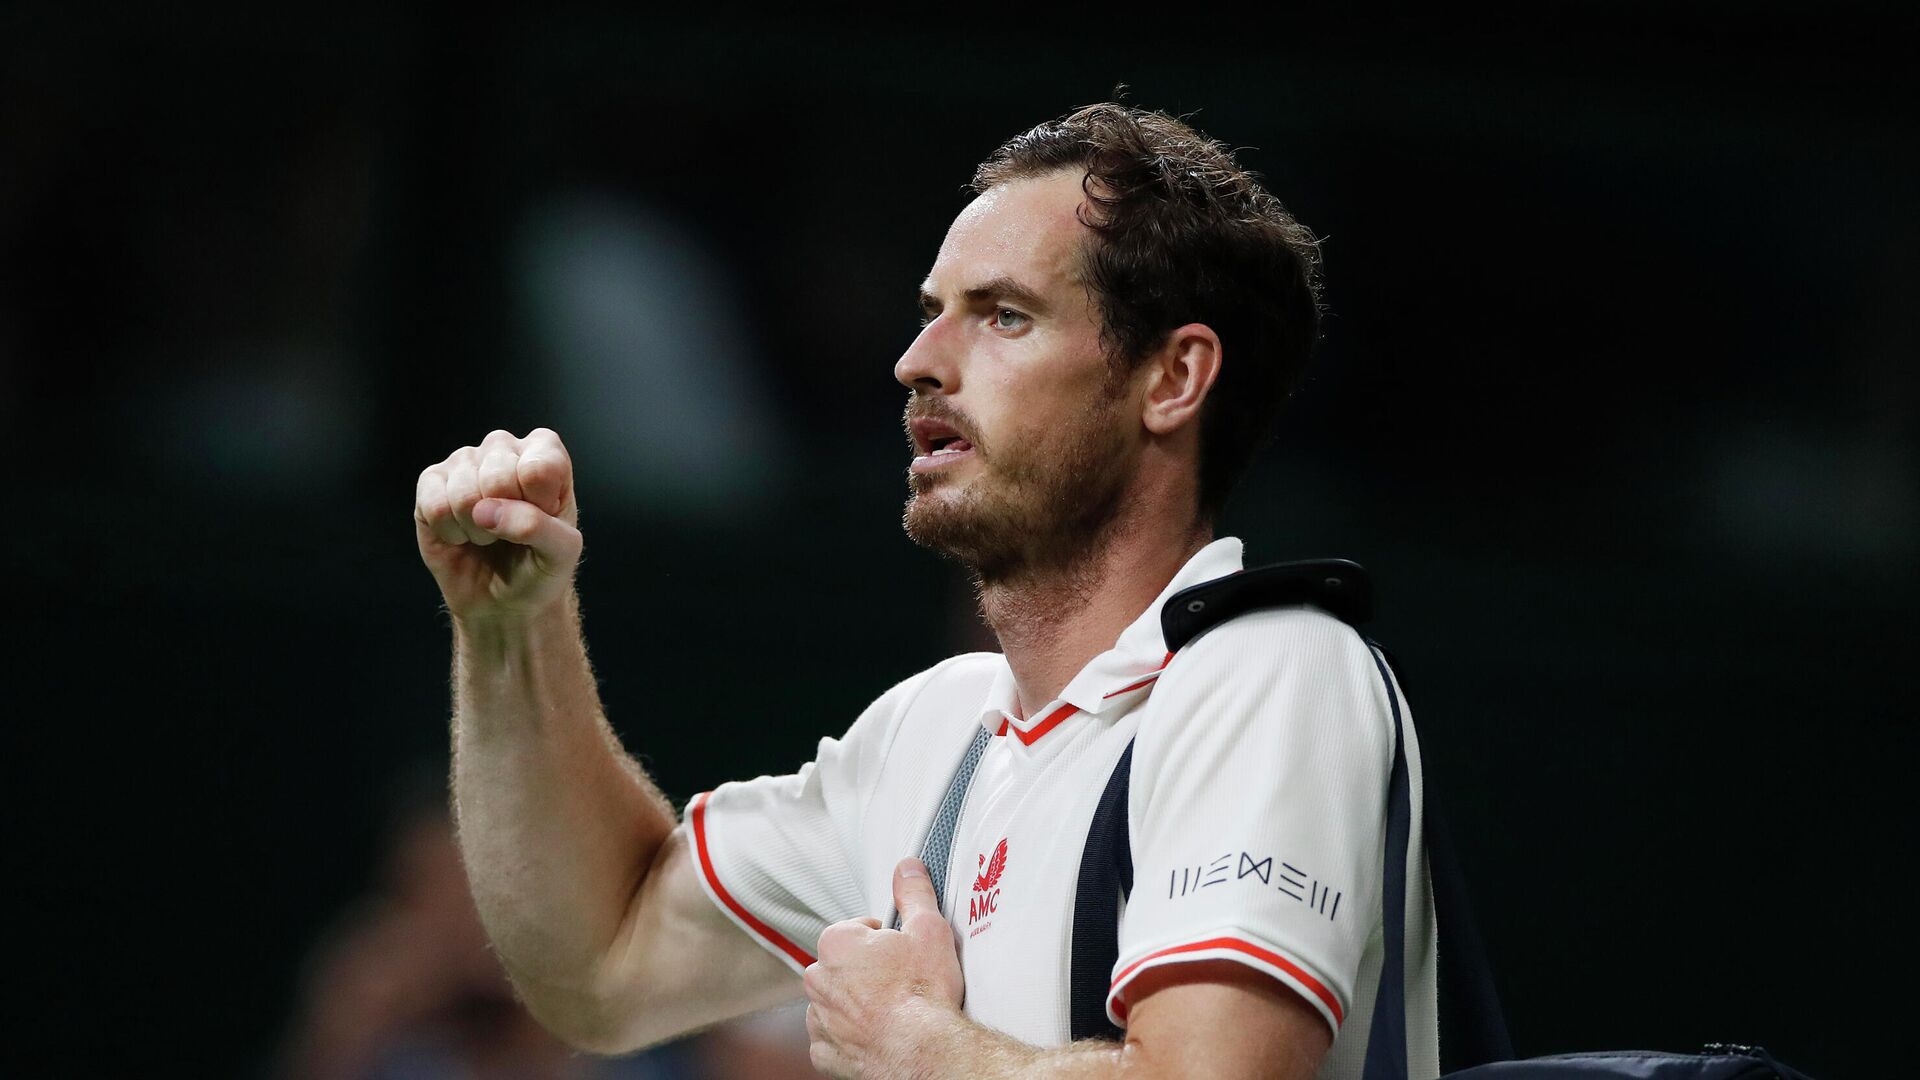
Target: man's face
1023, 442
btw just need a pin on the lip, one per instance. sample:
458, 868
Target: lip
926, 431
926, 463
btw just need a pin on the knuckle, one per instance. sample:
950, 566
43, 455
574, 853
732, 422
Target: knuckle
842, 930
549, 448
497, 467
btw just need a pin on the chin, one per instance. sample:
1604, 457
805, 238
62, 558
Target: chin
929, 518
944, 522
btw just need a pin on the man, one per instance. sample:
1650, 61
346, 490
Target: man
1108, 329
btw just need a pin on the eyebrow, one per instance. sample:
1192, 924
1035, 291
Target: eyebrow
999, 288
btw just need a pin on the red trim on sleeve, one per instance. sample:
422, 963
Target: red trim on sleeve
1326, 996
697, 815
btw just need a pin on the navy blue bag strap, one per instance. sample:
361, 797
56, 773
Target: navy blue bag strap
1106, 875
1387, 1037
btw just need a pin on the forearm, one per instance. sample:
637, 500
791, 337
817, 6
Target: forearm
557, 825
1222, 1021
951, 1047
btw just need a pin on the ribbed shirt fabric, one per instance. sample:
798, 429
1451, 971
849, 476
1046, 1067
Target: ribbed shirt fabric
1257, 814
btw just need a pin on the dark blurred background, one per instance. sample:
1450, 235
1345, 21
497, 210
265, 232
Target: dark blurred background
1616, 400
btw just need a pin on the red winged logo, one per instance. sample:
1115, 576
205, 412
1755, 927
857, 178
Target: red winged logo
990, 877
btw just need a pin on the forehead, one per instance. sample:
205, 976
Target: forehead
1026, 229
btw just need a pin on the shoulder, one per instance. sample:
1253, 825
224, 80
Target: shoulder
954, 675
1292, 676
958, 679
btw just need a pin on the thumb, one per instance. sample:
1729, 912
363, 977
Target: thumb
524, 523
913, 896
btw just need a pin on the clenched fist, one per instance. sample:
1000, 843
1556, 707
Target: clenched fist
498, 526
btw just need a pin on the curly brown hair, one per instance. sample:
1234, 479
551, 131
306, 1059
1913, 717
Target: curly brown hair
1185, 235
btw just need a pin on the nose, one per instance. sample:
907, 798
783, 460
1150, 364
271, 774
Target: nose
930, 363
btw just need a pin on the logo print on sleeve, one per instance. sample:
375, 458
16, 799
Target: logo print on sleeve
986, 889
1282, 877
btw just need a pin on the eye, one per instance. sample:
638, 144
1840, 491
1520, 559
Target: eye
1008, 319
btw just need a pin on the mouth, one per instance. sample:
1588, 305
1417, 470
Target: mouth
937, 445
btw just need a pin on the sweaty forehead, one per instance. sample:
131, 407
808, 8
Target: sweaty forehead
1026, 229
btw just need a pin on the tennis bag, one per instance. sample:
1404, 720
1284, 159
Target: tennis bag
1474, 1041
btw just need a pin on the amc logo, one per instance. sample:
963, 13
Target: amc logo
986, 885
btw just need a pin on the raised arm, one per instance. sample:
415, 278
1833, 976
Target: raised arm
584, 883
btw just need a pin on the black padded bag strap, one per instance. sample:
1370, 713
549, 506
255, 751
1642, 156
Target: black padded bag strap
1106, 875
1341, 586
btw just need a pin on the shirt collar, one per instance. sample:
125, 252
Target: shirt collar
1118, 675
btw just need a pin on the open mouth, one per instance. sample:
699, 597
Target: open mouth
942, 452
936, 444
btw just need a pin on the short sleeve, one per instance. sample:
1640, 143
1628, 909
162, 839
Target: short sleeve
778, 854
1257, 808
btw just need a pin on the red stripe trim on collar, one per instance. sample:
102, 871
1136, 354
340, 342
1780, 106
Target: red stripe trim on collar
1028, 738
1128, 689
1154, 674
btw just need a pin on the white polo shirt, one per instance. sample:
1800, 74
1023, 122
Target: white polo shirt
1256, 813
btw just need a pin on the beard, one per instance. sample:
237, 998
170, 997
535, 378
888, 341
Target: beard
1036, 506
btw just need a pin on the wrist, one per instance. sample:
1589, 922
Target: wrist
934, 1040
496, 632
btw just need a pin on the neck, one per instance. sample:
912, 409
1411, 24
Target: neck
1050, 623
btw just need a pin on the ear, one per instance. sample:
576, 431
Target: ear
1179, 377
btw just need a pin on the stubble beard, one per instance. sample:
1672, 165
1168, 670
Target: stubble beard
1042, 510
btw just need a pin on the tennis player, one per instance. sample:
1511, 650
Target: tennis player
1109, 328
